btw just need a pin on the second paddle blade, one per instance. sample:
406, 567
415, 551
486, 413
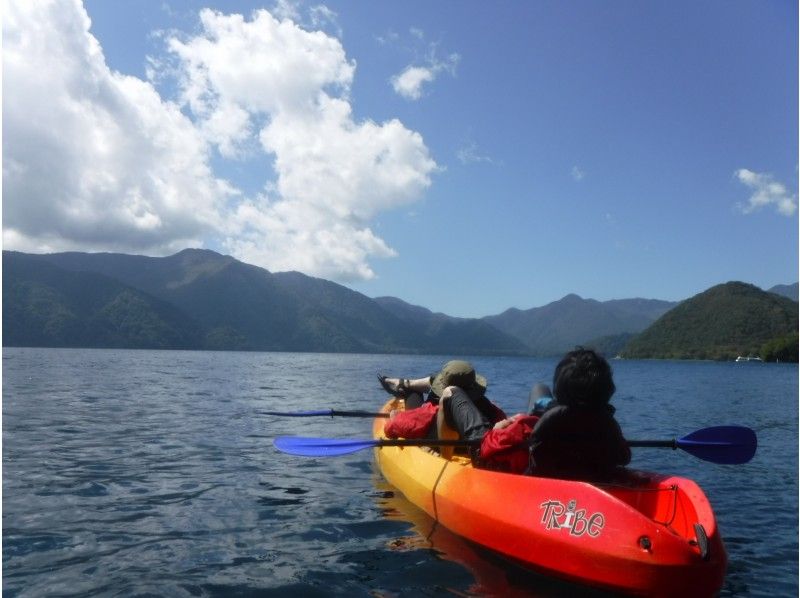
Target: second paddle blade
320, 447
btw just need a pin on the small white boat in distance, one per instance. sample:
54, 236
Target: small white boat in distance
749, 358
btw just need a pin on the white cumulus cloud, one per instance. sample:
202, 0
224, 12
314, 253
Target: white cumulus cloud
409, 82
97, 160
93, 159
766, 192
334, 173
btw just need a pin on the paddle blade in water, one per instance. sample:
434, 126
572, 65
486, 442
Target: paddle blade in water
729, 445
320, 447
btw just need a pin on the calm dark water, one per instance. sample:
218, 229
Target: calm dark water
143, 473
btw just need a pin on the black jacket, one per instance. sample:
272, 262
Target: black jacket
579, 443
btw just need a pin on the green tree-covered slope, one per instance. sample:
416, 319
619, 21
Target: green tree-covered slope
722, 322
44, 305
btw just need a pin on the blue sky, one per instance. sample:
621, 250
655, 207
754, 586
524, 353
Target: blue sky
464, 156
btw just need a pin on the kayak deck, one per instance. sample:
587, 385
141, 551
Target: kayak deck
645, 533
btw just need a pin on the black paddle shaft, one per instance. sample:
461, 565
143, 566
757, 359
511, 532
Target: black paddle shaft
357, 414
673, 444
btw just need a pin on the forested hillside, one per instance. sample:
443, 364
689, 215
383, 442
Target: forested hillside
723, 322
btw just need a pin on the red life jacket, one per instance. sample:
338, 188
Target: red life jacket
506, 449
413, 423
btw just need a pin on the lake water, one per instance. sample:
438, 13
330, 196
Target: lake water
143, 473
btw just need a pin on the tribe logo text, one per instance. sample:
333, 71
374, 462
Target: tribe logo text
557, 516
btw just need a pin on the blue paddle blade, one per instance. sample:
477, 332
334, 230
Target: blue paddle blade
320, 447
729, 445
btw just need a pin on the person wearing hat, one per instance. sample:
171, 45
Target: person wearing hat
456, 400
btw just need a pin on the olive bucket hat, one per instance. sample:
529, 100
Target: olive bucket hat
461, 374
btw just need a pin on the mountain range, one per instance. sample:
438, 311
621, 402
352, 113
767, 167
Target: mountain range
572, 320
199, 299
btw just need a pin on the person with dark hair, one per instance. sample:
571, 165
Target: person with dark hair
578, 438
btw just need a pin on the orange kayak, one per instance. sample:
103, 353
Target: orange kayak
645, 534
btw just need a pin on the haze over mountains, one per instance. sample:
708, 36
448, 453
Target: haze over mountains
199, 299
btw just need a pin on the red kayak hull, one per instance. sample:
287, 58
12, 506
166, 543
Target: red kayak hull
645, 534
